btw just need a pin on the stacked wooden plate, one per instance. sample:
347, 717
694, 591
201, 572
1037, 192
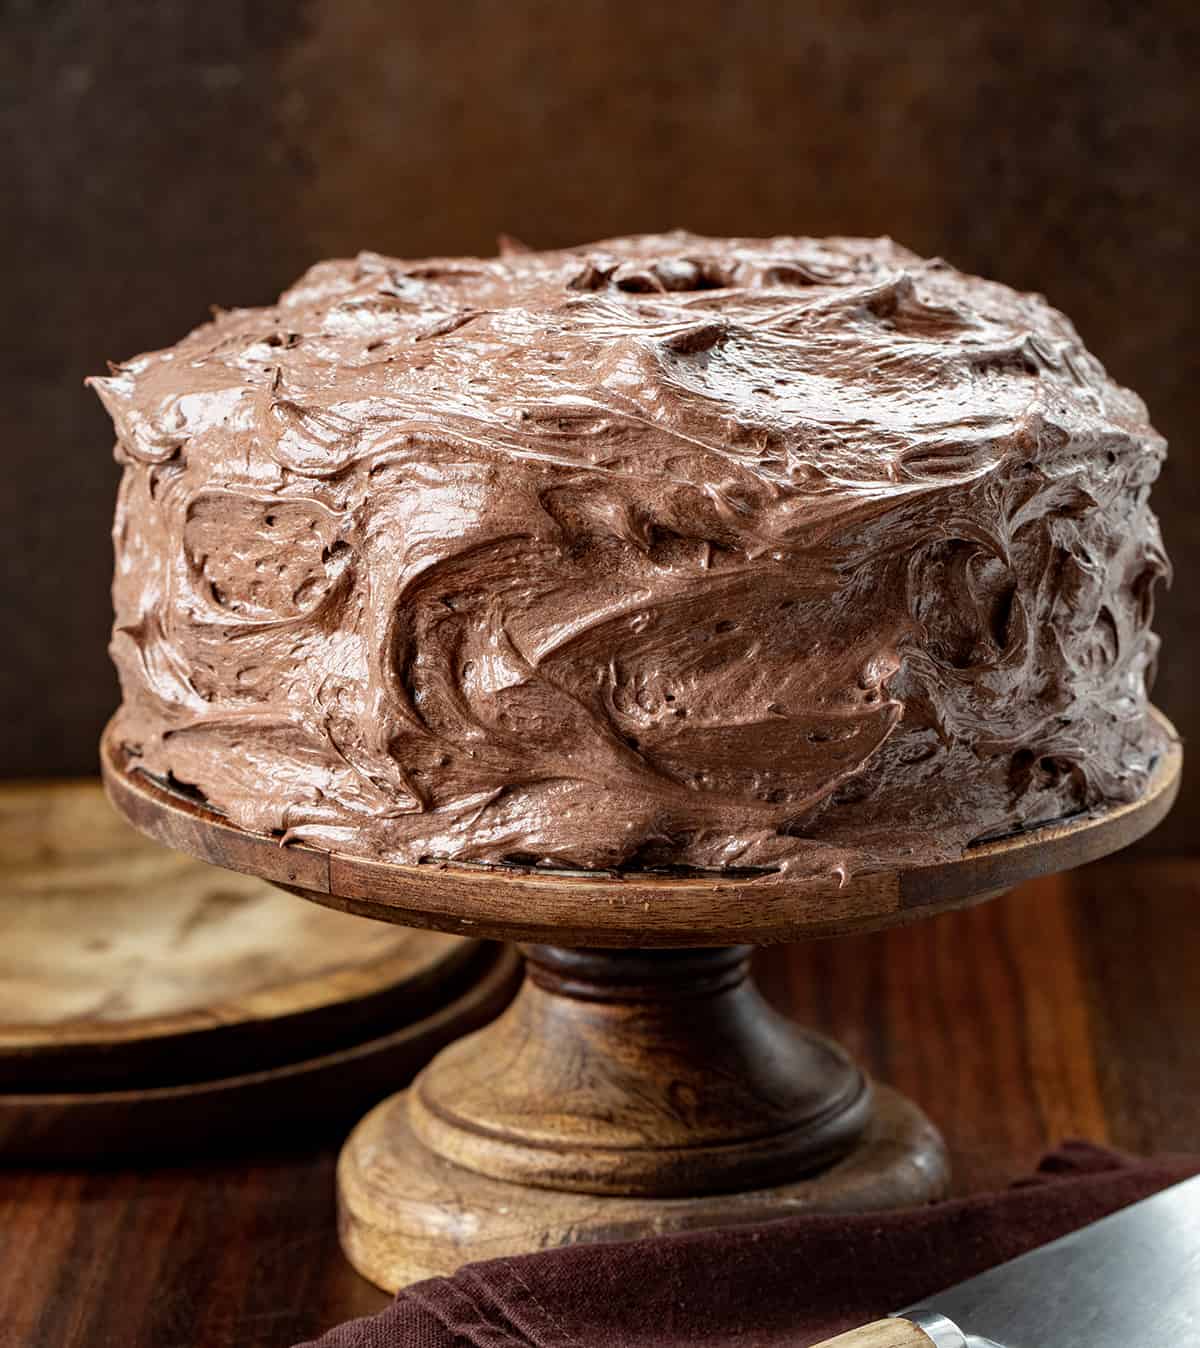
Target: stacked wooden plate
149, 1002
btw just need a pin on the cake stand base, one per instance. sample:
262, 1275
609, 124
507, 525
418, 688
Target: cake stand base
623, 1094
405, 1214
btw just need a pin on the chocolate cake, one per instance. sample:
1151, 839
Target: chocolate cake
786, 554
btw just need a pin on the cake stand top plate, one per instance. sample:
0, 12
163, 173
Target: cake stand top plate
632, 910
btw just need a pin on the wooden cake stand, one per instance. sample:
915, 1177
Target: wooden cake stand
639, 1083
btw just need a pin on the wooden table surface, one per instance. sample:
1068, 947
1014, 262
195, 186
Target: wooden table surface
1070, 1008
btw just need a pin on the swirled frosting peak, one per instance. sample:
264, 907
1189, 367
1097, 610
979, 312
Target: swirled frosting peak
665, 551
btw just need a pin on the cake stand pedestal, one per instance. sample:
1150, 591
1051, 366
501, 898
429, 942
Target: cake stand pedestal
639, 1083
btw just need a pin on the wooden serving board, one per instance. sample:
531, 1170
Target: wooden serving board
275, 1107
125, 965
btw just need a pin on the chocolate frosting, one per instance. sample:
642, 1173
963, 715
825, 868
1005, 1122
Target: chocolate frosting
788, 554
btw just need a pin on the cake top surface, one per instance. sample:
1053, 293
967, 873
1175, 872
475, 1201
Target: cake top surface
777, 367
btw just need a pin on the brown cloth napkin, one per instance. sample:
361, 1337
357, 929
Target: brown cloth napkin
789, 1282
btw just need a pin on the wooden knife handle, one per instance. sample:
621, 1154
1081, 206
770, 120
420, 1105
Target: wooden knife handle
882, 1334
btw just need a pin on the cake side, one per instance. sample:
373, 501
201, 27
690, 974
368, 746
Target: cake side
665, 551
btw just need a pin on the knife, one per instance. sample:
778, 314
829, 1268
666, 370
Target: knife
1130, 1280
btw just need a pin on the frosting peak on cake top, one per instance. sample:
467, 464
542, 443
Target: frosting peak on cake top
662, 550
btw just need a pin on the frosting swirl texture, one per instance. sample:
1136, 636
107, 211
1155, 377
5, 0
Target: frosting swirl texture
782, 554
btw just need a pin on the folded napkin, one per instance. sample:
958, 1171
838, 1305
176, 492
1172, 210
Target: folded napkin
790, 1282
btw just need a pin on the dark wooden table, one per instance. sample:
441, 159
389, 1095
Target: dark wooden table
1070, 1008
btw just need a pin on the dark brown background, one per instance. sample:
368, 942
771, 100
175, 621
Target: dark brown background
167, 156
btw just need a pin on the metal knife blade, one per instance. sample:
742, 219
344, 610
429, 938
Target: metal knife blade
1130, 1280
